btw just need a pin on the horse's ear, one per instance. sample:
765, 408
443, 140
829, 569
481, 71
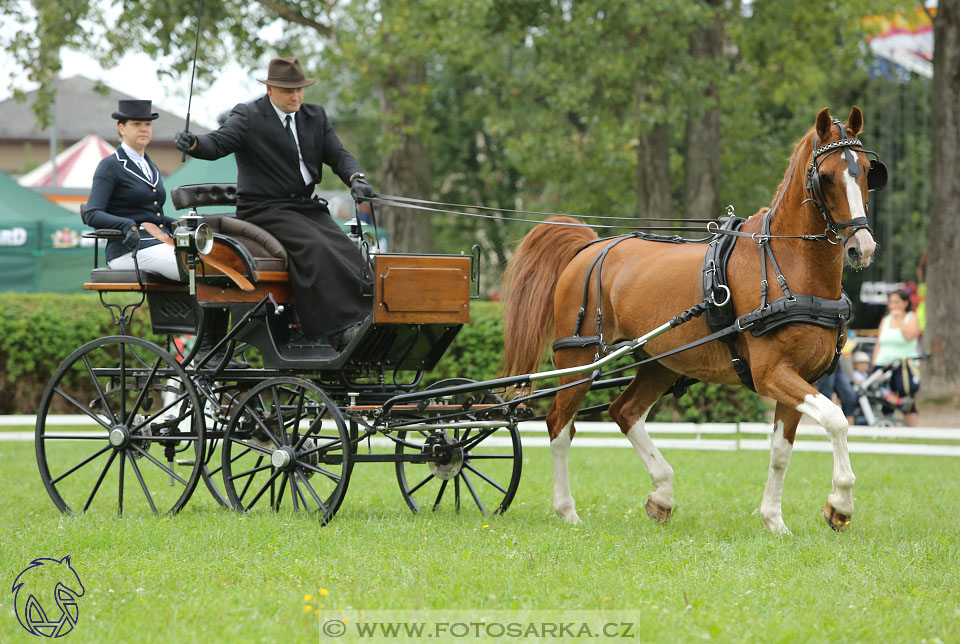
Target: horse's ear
823, 123
854, 121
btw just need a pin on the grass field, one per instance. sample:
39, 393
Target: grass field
713, 573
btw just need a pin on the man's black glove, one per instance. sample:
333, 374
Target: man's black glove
132, 238
359, 188
184, 140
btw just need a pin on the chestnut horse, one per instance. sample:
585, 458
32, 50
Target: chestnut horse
646, 283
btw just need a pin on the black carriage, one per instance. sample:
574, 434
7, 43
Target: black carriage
285, 432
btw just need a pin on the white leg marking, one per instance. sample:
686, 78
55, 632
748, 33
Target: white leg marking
660, 471
562, 499
780, 452
831, 418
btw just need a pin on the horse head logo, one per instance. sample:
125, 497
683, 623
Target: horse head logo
41, 580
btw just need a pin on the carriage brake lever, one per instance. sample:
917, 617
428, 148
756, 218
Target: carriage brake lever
278, 309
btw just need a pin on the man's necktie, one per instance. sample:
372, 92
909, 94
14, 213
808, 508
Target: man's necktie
293, 140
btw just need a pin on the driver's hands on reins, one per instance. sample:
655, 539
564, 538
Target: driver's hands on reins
184, 140
360, 189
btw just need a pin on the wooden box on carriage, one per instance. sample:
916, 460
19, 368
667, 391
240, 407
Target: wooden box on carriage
421, 289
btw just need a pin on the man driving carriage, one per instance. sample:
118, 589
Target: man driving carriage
281, 145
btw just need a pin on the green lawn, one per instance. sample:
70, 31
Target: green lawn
712, 573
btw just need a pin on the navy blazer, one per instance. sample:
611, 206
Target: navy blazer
121, 197
266, 166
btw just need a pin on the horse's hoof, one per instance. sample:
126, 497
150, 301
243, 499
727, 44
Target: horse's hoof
657, 512
836, 520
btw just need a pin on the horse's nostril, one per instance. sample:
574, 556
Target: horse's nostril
853, 254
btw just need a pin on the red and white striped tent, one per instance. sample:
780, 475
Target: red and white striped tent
74, 172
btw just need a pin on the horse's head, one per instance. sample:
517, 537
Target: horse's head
840, 177
42, 580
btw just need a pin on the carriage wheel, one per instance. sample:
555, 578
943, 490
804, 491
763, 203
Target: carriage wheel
142, 406
220, 403
473, 467
287, 447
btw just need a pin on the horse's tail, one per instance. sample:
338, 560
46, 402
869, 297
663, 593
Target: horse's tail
529, 283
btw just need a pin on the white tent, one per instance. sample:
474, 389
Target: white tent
75, 165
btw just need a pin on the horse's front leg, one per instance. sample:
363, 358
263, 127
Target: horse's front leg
781, 448
791, 389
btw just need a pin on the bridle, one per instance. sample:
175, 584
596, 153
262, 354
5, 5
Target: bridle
876, 179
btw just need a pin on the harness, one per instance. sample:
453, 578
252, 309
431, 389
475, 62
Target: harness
716, 303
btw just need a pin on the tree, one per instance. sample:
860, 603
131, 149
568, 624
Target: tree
942, 373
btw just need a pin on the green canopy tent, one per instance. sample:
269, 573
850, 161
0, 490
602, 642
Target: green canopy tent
41, 248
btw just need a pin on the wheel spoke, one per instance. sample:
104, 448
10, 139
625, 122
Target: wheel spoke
258, 468
250, 480
163, 467
294, 491
456, 492
143, 392
443, 486
96, 487
422, 483
150, 419
79, 465
123, 460
143, 485
473, 493
313, 493
96, 383
280, 423
267, 431
483, 476
295, 439
253, 446
268, 484
319, 470
279, 497
82, 408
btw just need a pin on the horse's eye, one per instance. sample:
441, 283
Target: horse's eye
826, 179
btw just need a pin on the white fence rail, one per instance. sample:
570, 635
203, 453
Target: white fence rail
938, 441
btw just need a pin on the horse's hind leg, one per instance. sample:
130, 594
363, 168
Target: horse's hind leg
630, 411
560, 419
781, 448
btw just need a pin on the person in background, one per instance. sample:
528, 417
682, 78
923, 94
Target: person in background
128, 191
861, 367
897, 344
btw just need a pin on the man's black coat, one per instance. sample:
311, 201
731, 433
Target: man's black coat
326, 268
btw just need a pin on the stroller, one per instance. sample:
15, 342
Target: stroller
878, 399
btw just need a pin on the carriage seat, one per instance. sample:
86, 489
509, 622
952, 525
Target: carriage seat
267, 253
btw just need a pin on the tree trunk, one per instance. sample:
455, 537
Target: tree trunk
942, 371
653, 173
405, 171
701, 190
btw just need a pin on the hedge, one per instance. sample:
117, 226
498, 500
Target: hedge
37, 331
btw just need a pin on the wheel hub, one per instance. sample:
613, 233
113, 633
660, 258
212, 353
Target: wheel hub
119, 437
447, 461
283, 458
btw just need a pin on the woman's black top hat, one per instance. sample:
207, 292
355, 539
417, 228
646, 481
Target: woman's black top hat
129, 109
286, 73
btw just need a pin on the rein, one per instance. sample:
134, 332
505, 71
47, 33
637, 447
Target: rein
446, 208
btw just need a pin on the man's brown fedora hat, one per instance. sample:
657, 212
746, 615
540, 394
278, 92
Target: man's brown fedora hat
287, 73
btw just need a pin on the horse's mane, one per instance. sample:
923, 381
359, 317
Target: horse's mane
800, 150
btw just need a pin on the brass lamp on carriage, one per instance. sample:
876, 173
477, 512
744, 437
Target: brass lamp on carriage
193, 237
